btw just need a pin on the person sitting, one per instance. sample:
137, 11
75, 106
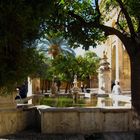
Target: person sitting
23, 89
17, 96
22, 92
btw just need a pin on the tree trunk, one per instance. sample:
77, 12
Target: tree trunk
67, 86
135, 81
46, 85
42, 88
49, 85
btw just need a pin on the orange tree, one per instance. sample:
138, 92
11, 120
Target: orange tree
65, 67
87, 66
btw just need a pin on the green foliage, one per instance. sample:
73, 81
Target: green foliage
65, 67
79, 21
14, 71
131, 6
76, 33
21, 23
61, 102
54, 44
57, 102
88, 65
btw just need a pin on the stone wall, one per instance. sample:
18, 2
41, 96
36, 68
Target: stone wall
85, 120
68, 120
16, 120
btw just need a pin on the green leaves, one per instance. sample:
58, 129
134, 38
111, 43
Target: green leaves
62, 2
75, 30
88, 65
54, 44
21, 23
66, 67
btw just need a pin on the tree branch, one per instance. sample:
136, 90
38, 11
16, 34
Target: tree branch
108, 30
119, 23
98, 10
138, 25
128, 19
112, 31
79, 18
94, 24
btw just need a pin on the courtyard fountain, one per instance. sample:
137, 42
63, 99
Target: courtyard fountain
104, 76
75, 89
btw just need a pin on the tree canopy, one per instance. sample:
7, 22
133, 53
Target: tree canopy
21, 23
84, 22
81, 22
65, 67
54, 44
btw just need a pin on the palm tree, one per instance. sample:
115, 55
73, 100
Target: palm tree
55, 46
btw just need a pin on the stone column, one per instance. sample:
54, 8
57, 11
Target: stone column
29, 89
117, 60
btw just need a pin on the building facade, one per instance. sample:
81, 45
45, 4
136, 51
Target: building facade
116, 52
119, 62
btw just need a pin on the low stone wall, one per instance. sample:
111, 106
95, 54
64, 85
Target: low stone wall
16, 120
68, 120
86, 120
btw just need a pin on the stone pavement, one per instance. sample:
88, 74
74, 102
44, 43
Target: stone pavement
34, 135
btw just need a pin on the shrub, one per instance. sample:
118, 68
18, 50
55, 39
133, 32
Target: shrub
57, 102
61, 102
48, 101
65, 102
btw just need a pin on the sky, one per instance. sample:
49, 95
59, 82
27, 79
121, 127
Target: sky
98, 50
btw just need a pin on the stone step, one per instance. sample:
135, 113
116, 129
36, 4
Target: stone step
39, 136
32, 135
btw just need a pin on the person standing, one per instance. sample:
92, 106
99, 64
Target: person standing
112, 85
116, 88
82, 87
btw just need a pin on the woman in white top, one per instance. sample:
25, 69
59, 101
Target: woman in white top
116, 88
